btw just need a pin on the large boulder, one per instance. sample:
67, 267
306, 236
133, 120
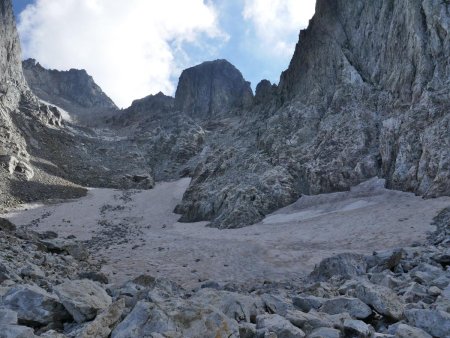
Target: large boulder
325, 332
308, 302
175, 318
435, 322
84, 299
35, 305
405, 331
353, 306
16, 331
346, 265
105, 322
357, 329
309, 321
382, 299
241, 308
8, 317
278, 325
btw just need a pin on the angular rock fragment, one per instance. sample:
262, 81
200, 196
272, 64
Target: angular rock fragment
382, 299
357, 329
306, 302
278, 325
325, 332
84, 299
346, 265
353, 306
16, 331
406, 331
103, 324
35, 305
434, 322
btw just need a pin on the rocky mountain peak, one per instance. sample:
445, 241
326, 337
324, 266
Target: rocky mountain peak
212, 88
74, 90
151, 103
265, 92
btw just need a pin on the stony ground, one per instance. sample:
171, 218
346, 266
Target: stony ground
136, 232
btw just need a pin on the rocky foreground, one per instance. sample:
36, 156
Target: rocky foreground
51, 288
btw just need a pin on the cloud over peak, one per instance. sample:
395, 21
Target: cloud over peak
278, 22
132, 48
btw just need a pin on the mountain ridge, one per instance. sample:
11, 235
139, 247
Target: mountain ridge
73, 90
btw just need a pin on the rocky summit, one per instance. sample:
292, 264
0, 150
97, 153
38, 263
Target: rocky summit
73, 90
212, 88
316, 180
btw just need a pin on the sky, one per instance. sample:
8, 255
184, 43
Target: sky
135, 48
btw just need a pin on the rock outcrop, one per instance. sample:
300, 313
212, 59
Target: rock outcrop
20, 112
12, 82
265, 93
212, 88
143, 112
366, 94
74, 90
387, 88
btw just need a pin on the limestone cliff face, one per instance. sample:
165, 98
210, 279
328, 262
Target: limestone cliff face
387, 60
367, 93
212, 88
12, 82
13, 154
397, 46
74, 90
20, 112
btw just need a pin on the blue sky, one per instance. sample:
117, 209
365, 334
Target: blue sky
139, 47
19, 5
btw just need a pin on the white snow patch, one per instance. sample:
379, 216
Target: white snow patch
64, 114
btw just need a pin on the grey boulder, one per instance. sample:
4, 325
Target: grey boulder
306, 302
353, 306
84, 299
16, 331
406, 331
357, 329
8, 317
175, 318
278, 325
346, 265
382, 299
35, 305
435, 322
325, 332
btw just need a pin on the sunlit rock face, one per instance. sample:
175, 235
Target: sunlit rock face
212, 88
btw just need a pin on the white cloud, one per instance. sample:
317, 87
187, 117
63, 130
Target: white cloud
278, 22
132, 48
